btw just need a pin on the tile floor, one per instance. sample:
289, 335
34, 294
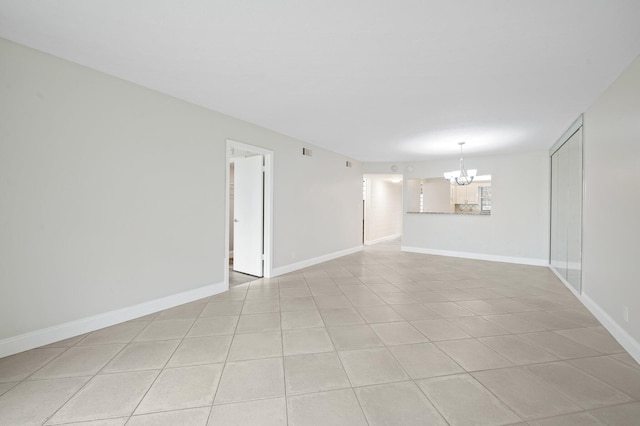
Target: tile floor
379, 337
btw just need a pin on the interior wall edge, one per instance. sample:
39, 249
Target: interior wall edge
45, 336
478, 256
625, 339
381, 240
285, 269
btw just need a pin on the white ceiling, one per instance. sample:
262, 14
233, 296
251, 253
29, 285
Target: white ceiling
377, 80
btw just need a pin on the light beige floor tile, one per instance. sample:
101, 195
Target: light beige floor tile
374, 314
4, 387
439, 329
306, 341
364, 298
233, 295
78, 361
478, 327
286, 293
427, 296
336, 408
19, 366
216, 309
66, 343
142, 356
397, 298
510, 305
449, 309
121, 333
298, 304
354, 288
517, 350
603, 343
513, 323
31, 403
547, 320
120, 421
525, 394
578, 419
579, 387
481, 307
314, 373
371, 366
263, 293
415, 311
472, 355
258, 323
620, 415
255, 346
300, 319
266, 412
187, 310
201, 350
397, 404
464, 401
324, 290
560, 346
398, 333
424, 360
249, 380
214, 326
191, 417
261, 306
382, 288
341, 316
332, 302
354, 337
612, 372
165, 330
184, 387
106, 396
626, 359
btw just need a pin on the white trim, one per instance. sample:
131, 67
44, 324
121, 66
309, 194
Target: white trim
35, 339
627, 341
380, 240
478, 256
268, 205
313, 261
575, 126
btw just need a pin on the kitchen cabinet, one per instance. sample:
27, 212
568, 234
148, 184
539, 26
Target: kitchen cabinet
468, 194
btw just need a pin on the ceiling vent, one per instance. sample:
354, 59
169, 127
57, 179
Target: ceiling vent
348, 163
307, 152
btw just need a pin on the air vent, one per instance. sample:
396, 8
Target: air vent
348, 164
307, 152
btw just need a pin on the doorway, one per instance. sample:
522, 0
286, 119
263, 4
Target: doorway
382, 207
249, 207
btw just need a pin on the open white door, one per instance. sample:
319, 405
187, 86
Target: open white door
248, 215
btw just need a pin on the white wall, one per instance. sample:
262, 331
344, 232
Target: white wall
113, 195
611, 228
517, 229
383, 208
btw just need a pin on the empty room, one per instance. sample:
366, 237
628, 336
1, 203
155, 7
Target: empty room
319, 213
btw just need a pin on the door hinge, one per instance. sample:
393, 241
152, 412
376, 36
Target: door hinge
262, 256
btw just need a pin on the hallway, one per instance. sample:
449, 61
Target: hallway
378, 337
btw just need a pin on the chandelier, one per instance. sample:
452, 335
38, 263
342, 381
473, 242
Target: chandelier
461, 177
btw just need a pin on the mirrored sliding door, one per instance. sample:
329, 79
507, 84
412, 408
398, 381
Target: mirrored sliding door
566, 208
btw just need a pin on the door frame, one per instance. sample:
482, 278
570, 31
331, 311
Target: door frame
267, 237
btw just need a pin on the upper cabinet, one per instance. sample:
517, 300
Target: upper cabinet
468, 194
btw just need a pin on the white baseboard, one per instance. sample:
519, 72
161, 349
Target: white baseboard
478, 256
281, 270
379, 240
34, 339
630, 344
